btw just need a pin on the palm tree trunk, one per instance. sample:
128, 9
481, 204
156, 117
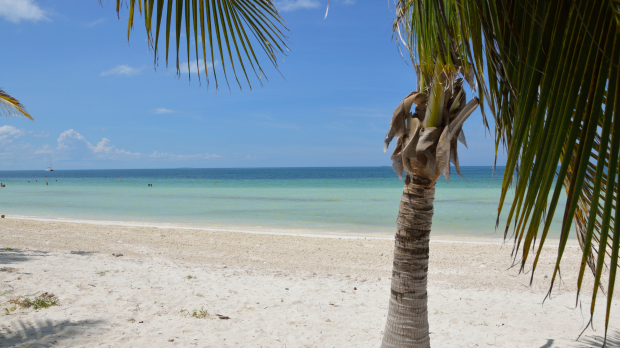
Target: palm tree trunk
407, 321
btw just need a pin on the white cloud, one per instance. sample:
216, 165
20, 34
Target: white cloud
122, 69
168, 155
41, 134
364, 112
164, 111
44, 150
99, 21
292, 5
8, 133
9, 150
17, 10
72, 140
192, 66
67, 135
73, 146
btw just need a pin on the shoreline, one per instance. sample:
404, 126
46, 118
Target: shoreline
442, 237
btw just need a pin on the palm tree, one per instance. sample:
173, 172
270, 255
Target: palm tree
549, 72
10, 106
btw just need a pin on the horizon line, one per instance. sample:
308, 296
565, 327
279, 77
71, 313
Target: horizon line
201, 168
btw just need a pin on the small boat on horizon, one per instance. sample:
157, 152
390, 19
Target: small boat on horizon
50, 169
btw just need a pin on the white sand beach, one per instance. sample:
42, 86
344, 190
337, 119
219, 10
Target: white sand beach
262, 290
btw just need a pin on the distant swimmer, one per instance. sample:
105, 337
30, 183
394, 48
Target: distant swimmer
46, 183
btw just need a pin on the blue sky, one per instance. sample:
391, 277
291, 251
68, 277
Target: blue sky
98, 103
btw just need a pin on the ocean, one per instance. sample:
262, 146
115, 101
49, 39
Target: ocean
344, 201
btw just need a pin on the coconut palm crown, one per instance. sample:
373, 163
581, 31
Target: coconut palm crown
548, 73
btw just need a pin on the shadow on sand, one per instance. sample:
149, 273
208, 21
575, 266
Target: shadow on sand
13, 256
596, 341
590, 341
43, 333
84, 253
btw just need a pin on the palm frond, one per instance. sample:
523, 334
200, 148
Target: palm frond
548, 71
10, 106
222, 27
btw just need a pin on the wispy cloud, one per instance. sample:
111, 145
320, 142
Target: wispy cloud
121, 69
292, 5
164, 111
17, 10
72, 140
168, 155
8, 133
364, 112
73, 146
11, 150
93, 23
193, 68
41, 134
45, 150
279, 125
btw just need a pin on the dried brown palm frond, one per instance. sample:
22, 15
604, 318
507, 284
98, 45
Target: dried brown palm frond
10, 106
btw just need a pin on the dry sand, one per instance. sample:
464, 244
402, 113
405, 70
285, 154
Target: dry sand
277, 290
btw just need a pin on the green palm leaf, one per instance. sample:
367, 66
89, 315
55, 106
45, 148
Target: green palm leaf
10, 106
548, 71
222, 27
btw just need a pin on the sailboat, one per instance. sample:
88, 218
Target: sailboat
50, 169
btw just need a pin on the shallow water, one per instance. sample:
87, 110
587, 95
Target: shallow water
300, 200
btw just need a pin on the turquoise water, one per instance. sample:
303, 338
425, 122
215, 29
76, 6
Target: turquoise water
297, 200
